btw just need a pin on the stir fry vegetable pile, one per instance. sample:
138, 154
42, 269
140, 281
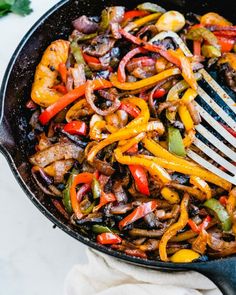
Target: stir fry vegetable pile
113, 115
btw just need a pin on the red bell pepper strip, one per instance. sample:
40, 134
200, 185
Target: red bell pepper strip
91, 59
223, 200
193, 225
70, 97
104, 199
108, 239
78, 179
63, 72
230, 130
76, 127
132, 110
60, 88
159, 93
196, 48
151, 47
205, 223
226, 44
135, 13
138, 213
133, 149
121, 69
140, 177
198, 228
85, 188
229, 34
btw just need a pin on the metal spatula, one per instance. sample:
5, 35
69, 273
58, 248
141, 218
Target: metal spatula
217, 150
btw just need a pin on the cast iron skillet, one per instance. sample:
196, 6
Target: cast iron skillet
14, 142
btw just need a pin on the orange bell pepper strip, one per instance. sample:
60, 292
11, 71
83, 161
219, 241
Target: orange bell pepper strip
79, 179
68, 98
173, 229
135, 13
125, 133
197, 48
226, 44
202, 185
186, 67
144, 82
104, 199
138, 213
169, 161
63, 72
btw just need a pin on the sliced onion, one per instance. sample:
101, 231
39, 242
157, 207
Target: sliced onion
90, 97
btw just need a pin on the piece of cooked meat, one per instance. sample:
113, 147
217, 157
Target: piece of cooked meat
59, 151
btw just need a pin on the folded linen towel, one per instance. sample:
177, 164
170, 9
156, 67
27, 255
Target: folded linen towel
105, 275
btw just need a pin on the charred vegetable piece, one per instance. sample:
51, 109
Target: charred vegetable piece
220, 212
175, 142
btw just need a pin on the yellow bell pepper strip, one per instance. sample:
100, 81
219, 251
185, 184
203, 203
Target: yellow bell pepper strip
185, 118
125, 133
189, 138
212, 18
68, 98
144, 82
188, 96
184, 255
144, 114
138, 213
175, 142
186, 67
154, 169
172, 162
188, 234
173, 229
78, 179
220, 212
126, 145
175, 92
231, 202
190, 190
170, 195
202, 185
80, 109
142, 21
95, 132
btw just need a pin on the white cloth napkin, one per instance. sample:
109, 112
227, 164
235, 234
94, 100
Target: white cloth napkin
105, 275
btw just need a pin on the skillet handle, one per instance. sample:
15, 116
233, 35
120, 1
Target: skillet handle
221, 272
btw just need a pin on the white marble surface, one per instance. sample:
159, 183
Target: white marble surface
34, 257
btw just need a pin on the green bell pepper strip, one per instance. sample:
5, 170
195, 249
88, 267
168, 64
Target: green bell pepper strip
66, 192
104, 20
98, 229
175, 142
78, 55
88, 209
96, 189
220, 212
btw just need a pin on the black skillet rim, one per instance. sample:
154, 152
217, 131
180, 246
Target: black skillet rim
154, 264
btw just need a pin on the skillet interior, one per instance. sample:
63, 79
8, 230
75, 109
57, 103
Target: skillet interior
16, 91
